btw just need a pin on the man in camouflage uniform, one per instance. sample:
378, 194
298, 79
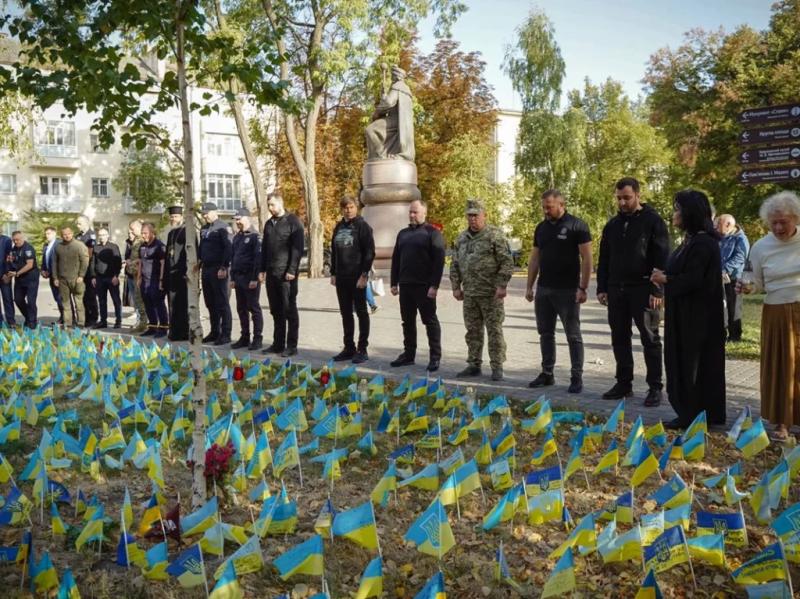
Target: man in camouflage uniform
479, 273
133, 294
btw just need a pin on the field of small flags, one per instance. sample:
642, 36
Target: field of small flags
324, 483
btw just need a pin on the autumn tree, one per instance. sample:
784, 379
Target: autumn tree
151, 177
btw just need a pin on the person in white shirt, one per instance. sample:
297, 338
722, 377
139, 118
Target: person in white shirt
775, 260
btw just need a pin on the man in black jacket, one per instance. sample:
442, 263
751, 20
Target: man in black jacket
215, 260
105, 266
281, 250
417, 266
352, 253
22, 269
175, 277
634, 242
245, 266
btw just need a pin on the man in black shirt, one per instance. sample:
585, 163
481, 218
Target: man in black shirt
561, 258
89, 239
152, 255
634, 242
215, 259
23, 271
245, 265
281, 250
352, 253
105, 266
417, 266
175, 282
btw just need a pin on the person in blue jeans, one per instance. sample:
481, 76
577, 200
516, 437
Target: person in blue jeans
371, 301
6, 294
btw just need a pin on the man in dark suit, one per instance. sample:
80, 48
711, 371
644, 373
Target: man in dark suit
47, 267
175, 276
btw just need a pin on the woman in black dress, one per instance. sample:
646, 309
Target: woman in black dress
694, 331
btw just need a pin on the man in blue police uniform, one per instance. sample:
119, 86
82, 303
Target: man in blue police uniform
6, 294
22, 269
215, 260
89, 239
106, 264
152, 255
47, 268
175, 277
245, 264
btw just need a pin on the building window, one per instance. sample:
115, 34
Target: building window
8, 184
221, 145
54, 186
99, 188
94, 144
8, 227
223, 190
57, 133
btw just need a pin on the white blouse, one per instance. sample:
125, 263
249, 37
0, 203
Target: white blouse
776, 268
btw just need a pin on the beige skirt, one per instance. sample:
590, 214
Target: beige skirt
780, 363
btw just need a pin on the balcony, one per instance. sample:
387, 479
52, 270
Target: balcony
227, 205
48, 203
56, 156
129, 208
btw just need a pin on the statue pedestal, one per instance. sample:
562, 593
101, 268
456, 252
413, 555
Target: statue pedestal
390, 185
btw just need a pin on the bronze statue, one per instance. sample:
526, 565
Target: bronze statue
391, 133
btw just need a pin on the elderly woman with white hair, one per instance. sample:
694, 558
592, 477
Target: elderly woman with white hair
775, 259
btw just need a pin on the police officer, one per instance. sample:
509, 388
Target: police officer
245, 264
479, 273
105, 265
47, 268
152, 256
132, 293
175, 276
89, 239
6, 293
22, 269
215, 260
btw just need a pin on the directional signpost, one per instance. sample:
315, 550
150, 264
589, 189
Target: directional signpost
779, 143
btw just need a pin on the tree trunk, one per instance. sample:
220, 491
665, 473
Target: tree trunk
195, 328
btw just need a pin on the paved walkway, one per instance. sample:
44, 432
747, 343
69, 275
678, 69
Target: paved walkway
320, 338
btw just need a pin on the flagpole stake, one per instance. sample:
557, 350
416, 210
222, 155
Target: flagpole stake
377, 537
203, 566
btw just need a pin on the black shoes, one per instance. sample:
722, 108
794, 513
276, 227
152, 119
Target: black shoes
675, 425
469, 371
118, 325
432, 366
654, 397
148, 333
243, 342
210, 338
497, 374
223, 340
360, 357
402, 360
100, 325
160, 333
256, 343
575, 385
347, 353
543, 380
289, 351
618, 391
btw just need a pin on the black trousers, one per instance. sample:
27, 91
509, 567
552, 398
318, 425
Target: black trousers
216, 294
178, 297
90, 303
7, 297
350, 297
282, 297
154, 304
550, 305
26, 289
633, 303
247, 305
104, 289
733, 311
57, 298
413, 299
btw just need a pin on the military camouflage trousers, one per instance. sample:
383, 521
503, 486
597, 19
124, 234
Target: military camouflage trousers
480, 311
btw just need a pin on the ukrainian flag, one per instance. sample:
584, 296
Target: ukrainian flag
157, 562
387, 484
371, 584
666, 551
287, 455
545, 507
562, 579
188, 567
730, 525
483, 455
262, 457
694, 447
788, 523
754, 440
649, 588
733, 434
463, 481
616, 417
646, 466
620, 510
213, 539
583, 535
227, 586
128, 552
68, 588
637, 432
708, 548
93, 531
433, 589
699, 424
548, 449
505, 508
767, 565
305, 558
673, 493
58, 526
293, 417
652, 525
609, 460
358, 525
431, 532
246, 559
776, 589
504, 440
622, 547
44, 574
449, 464
656, 434
420, 423
574, 463
500, 474
678, 516
200, 520
427, 478
541, 481
543, 419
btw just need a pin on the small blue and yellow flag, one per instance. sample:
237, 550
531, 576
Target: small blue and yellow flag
694, 447
649, 588
227, 586
287, 455
44, 575
358, 525
620, 510
754, 440
708, 548
645, 467
388, 483
609, 460
505, 508
304, 558
672, 493
371, 584
562, 578
776, 589
545, 507
201, 519
246, 559
434, 588
461, 482
768, 565
93, 531
730, 525
698, 424
623, 547
666, 551
188, 567
427, 478
57, 524
615, 418
431, 531
68, 588
548, 448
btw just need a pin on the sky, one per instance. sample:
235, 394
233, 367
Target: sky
598, 38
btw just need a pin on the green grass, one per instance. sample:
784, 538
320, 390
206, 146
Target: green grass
749, 348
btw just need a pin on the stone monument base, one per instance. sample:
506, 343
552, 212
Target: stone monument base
390, 185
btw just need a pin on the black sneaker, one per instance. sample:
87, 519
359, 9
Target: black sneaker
575, 385
118, 325
148, 333
100, 325
617, 392
256, 343
273, 349
346, 354
360, 357
469, 371
402, 360
243, 342
223, 340
433, 365
543, 380
289, 351
654, 397
210, 338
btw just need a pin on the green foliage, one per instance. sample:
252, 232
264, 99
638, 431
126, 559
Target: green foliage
35, 222
152, 176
